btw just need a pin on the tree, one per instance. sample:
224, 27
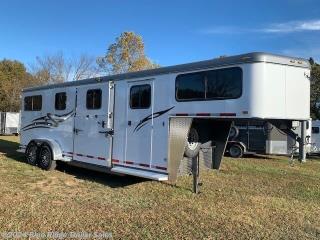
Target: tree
13, 78
57, 68
315, 90
126, 55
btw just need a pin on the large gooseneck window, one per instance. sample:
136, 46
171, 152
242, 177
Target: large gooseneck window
217, 84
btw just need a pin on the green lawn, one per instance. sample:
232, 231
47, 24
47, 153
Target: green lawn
252, 198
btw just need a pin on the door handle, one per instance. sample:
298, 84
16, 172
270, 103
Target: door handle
76, 130
129, 123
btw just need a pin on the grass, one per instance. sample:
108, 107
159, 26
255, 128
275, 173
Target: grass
252, 198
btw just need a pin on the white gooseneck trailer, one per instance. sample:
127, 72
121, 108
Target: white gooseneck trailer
144, 123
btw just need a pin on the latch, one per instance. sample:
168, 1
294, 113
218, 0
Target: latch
77, 130
109, 132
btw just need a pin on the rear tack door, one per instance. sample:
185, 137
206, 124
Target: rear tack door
139, 124
92, 143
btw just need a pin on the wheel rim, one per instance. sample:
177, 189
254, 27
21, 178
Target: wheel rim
45, 157
235, 151
193, 139
32, 154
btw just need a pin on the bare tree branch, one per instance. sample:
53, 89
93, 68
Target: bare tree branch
57, 68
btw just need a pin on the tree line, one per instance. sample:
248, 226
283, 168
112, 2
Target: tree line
314, 90
126, 54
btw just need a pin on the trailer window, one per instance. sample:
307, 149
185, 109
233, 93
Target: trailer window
60, 101
33, 103
210, 85
315, 130
140, 96
94, 98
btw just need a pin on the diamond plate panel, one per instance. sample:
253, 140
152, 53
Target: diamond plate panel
178, 133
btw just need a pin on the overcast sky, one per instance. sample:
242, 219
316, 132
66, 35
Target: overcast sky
174, 31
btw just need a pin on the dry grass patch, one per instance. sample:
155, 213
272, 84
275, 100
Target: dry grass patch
252, 198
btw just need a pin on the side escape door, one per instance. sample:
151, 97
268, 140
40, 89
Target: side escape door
63, 111
139, 124
93, 124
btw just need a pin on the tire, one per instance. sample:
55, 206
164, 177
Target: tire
45, 158
236, 151
234, 132
32, 154
193, 144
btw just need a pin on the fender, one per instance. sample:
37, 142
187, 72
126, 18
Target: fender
54, 145
240, 143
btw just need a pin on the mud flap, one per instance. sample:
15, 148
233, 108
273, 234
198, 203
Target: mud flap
178, 134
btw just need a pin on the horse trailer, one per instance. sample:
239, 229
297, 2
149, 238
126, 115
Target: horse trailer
146, 123
315, 141
9, 123
261, 137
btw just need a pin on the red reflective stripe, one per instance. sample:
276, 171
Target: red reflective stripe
203, 114
89, 156
182, 114
129, 162
144, 165
115, 160
162, 168
227, 114
101, 158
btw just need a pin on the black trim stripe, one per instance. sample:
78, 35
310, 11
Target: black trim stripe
144, 121
47, 121
27, 129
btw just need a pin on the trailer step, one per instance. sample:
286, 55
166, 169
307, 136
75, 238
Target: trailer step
140, 173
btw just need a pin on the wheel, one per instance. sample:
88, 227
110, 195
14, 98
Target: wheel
236, 151
234, 132
45, 158
31, 154
193, 144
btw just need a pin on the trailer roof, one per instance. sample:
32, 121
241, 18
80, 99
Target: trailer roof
217, 62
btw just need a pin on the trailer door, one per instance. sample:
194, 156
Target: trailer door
92, 138
139, 124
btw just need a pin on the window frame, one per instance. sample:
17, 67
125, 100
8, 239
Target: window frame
205, 84
55, 101
137, 86
315, 130
24, 103
32, 103
94, 89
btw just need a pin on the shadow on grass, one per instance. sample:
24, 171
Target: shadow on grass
108, 179
9, 148
258, 156
251, 155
